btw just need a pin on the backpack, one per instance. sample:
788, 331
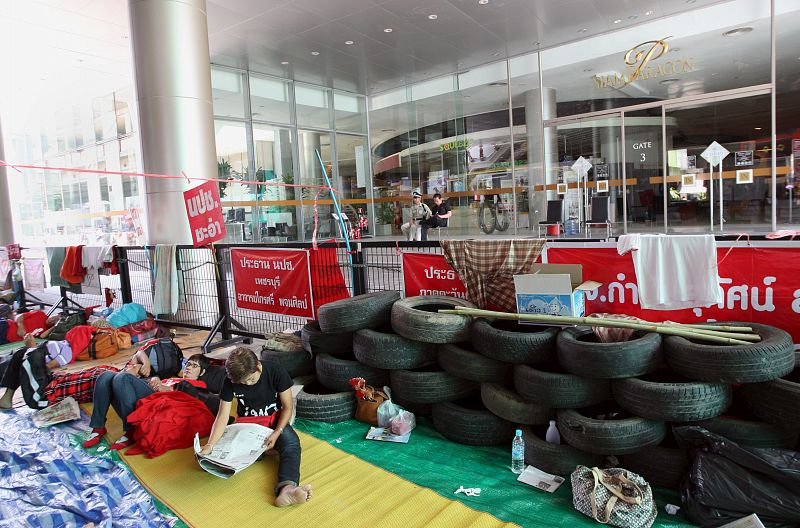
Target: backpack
165, 356
34, 377
103, 345
64, 325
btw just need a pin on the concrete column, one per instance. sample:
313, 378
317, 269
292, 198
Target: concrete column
6, 219
540, 171
173, 93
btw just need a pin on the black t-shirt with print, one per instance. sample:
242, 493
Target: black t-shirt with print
260, 399
441, 209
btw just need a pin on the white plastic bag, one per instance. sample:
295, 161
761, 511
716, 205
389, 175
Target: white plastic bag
403, 423
388, 410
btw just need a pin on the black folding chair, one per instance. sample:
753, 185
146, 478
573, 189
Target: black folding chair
555, 215
599, 215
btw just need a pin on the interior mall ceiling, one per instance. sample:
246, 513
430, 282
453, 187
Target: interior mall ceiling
59, 48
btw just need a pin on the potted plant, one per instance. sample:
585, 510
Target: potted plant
384, 216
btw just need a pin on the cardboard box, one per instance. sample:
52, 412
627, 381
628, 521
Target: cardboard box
553, 289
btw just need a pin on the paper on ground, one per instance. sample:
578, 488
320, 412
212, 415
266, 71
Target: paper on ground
63, 411
539, 479
384, 434
240, 445
751, 521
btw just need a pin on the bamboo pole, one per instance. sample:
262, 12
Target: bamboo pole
597, 321
721, 328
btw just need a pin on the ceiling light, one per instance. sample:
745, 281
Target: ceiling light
583, 30
433, 17
284, 62
757, 128
388, 30
496, 54
617, 21
649, 13
633, 17
498, 83
691, 1
587, 69
483, 2
315, 53
738, 31
349, 42
674, 50
669, 81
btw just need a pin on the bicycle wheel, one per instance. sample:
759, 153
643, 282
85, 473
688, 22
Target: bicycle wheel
502, 219
487, 218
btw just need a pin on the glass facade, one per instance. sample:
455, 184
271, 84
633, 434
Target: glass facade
287, 123
59, 208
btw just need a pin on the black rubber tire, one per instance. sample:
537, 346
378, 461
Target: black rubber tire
386, 350
471, 426
751, 433
509, 405
465, 363
335, 373
672, 402
778, 401
558, 459
416, 318
315, 402
660, 466
318, 342
295, 363
558, 390
579, 352
608, 437
369, 310
419, 409
512, 342
769, 359
429, 386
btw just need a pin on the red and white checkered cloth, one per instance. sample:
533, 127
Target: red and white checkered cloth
487, 267
78, 384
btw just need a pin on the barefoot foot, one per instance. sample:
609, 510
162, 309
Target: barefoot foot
307, 488
291, 495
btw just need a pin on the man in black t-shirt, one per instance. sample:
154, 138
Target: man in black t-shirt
441, 212
263, 393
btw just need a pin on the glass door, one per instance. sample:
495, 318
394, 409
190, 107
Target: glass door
584, 161
644, 169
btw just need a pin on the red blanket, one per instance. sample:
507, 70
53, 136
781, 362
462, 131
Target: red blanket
167, 420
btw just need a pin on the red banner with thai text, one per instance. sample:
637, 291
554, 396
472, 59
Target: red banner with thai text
430, 274
204, 211
273, 280
760, 286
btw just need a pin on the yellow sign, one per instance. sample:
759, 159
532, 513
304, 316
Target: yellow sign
461, 143
638, 67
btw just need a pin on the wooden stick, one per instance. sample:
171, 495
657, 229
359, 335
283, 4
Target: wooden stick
721, 328
596, 321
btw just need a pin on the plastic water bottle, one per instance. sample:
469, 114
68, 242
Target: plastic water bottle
518, 453
552, 436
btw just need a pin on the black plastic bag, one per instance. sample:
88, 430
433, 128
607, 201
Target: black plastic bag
727, 482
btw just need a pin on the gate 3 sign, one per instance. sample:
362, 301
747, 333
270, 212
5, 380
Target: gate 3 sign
273, 280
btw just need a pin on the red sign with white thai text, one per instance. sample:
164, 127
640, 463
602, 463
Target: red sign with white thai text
430, 274
273, 280
760, 286
204, 210
13, 251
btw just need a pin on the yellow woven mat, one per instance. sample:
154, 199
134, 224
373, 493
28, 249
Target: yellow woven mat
348, 492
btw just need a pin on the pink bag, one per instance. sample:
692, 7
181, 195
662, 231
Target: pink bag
403, 423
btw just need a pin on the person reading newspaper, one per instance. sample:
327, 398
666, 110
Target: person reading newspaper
263, 393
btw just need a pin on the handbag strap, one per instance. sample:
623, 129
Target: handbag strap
592, 496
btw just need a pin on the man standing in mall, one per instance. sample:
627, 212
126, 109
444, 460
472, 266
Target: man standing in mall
420, 213
440, 213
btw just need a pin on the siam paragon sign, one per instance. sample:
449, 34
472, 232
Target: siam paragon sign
642, 63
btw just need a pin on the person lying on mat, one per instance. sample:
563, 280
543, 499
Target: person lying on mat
123, 389
78, 384
263, 392
200, 379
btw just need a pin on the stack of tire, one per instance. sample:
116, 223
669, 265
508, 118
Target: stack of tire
655, 385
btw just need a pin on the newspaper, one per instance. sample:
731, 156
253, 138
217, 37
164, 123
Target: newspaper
64, 411
385, 434
241, 445
539, 479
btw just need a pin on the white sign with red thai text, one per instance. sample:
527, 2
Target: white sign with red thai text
759, 285
273, 280
204, 210
430, 274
